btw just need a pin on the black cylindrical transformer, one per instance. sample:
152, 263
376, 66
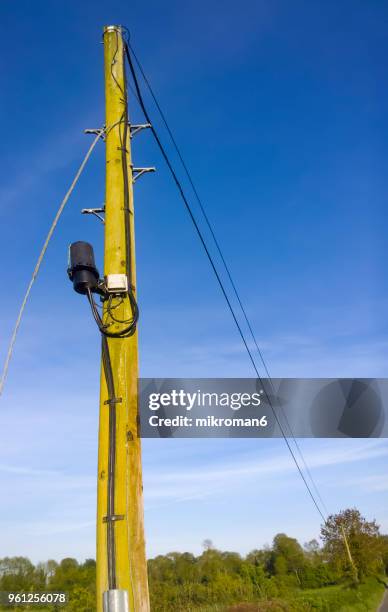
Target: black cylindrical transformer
82, 270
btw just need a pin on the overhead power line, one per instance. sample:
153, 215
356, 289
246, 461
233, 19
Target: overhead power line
223, 259
214, 268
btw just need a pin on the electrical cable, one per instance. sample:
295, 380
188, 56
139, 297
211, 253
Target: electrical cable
103, 327
40, 259
222, 257
111, 401
219, 280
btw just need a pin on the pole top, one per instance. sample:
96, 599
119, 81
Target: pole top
112, 28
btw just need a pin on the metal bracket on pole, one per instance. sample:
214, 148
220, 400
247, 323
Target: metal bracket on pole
96, 131
94, 211
137, 172
116, 600
112, 518
135, 128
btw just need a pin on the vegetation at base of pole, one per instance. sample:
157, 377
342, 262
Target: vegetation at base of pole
282, 577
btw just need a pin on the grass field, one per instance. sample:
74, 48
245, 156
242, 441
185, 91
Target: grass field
366, 598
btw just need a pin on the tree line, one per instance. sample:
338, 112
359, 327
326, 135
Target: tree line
350, 563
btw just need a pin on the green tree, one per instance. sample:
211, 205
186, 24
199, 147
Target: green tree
287, 556
66, 575
364, 539
17, 574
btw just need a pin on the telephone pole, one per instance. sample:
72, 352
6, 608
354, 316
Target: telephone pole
121, 562
347, 548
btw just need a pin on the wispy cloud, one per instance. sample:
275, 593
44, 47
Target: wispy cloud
57, 527
26, 471
371, 484
207, 480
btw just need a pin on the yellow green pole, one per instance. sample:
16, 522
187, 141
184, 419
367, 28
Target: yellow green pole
128, 528
347, 547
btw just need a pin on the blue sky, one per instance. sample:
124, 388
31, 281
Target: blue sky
280, 110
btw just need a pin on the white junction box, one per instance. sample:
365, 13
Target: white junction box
116, 283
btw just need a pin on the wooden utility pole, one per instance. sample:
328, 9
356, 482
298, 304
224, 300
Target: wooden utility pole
347, 548
122, 570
